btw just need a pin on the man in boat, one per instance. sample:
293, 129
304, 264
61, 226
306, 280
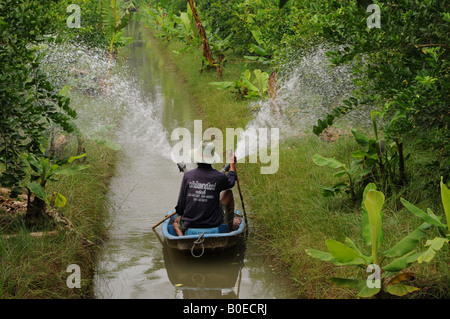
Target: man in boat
206, 199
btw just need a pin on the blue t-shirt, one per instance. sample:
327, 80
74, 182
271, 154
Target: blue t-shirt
199, 199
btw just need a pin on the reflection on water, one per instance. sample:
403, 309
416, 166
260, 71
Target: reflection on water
134, 262
211, 277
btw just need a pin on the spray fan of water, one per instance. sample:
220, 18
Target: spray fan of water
108, 96
308, 88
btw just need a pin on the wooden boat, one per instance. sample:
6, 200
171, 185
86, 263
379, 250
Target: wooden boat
203, 240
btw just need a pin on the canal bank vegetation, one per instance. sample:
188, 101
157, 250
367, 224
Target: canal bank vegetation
400, 72
314, 203
53, 179
35, 260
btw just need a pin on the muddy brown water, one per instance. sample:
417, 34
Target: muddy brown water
134, 262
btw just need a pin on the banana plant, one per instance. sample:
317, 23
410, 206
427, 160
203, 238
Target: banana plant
115, 18
262, 52
162, 20
353, 173
43, 169
375, 153
377, 158
187, 26
388, 265
434, 245
245, 86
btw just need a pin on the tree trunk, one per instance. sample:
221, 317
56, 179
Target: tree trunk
219, 67
35, 214
201, 30
401, 162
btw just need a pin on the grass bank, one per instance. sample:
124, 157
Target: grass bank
287, 210
35, 267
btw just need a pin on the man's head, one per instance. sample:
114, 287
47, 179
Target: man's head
205, 153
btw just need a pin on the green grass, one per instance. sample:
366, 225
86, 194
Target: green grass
290, 211
36, 267
287, 211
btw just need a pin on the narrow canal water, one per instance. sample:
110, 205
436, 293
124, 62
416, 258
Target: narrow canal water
134, 262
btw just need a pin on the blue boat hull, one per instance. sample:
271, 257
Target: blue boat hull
208, 242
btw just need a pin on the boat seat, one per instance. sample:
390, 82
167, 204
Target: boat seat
223, 228
198, 231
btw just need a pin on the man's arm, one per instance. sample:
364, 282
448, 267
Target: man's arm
232, 161
232, 173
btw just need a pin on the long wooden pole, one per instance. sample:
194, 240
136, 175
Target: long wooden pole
242, 199
168, 216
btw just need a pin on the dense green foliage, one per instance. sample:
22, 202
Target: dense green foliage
401, 69
404, 65
32, 109
29, 101
99, 23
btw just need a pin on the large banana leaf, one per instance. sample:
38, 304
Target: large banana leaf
365, 226
249, 85
360, 138
114, 19
318, 254
400, 289
335, 189
408, 243
434, 246
330, 162
367, 292
360, 285
351, 244
71, 170
402, 262
348, 282
262, 81
38, 190
184, 18
344, 254
374, 203
429, 218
